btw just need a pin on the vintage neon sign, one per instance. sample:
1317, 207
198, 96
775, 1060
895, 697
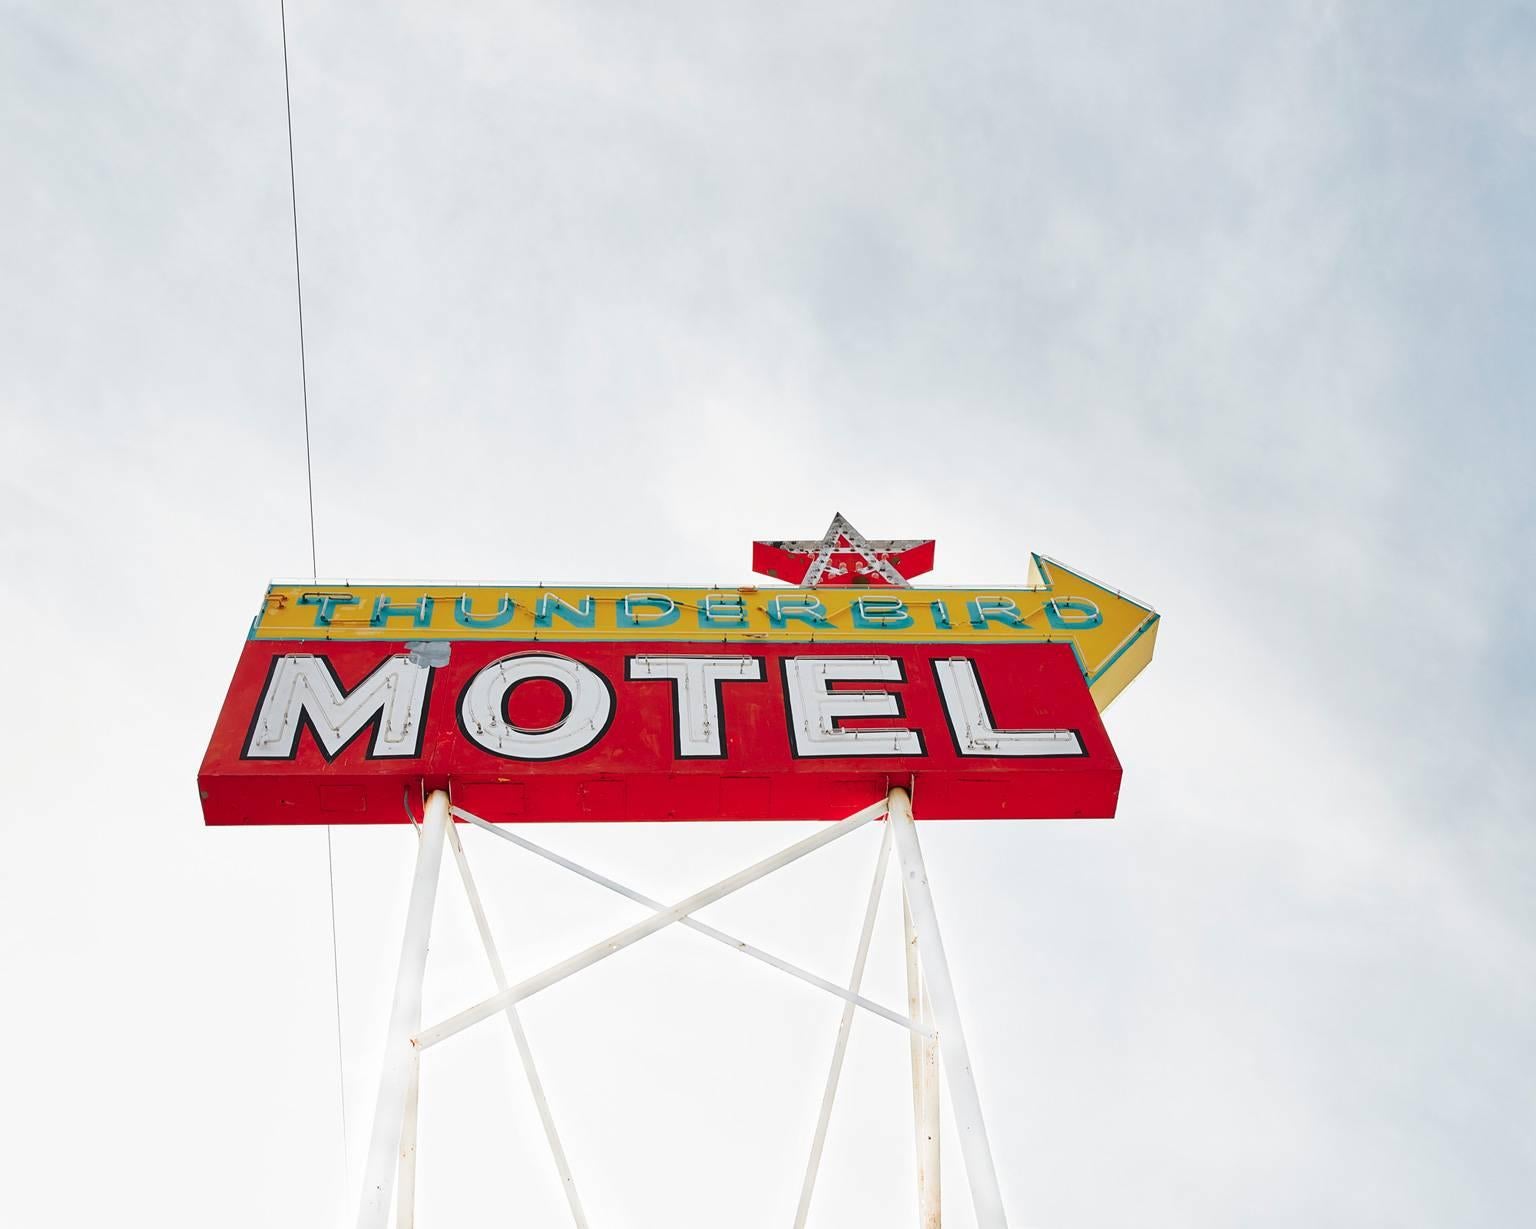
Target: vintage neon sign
600, 703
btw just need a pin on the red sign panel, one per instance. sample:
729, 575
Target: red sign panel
344, 732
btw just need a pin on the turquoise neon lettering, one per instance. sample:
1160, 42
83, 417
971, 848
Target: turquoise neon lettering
551, 605
808, 610
722, 610
327, 603
986, 608
880, 612
419, 612
940, 615
1091, 617
465, 617
630, 608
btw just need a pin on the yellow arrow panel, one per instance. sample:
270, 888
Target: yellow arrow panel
1111, 633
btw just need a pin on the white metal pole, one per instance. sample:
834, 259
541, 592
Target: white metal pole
399, 1054
925, 1084
519, 1036
405, 1176
845, 1026
915, 1011
405, 1192
617, 942
930, 1200
964, 1099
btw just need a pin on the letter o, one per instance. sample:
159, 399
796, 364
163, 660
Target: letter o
588, 704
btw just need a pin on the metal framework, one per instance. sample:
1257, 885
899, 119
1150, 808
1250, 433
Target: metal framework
932, 1015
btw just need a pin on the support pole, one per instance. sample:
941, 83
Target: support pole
915, 1011
930, 1202
964, 1099
399, 1053
405, 1189
845, 1026
925, 1085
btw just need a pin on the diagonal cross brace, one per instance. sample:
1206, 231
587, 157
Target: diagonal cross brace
845, 1026
519, 1036
617, 942
720, 936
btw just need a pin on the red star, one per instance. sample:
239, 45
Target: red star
844, 557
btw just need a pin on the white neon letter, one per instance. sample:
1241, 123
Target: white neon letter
304, 688
697, 720
971, 724
588, 707
814, 710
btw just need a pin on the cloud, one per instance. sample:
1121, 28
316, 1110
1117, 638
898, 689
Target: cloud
1227, 305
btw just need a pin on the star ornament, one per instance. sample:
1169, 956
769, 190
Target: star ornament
844, 556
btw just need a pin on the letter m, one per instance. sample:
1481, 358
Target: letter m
302, 689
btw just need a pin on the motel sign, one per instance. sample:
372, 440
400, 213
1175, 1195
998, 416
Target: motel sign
598, 703
840, 693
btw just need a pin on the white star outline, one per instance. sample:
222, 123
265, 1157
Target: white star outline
873, 564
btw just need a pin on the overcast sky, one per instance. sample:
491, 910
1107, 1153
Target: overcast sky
1230, 305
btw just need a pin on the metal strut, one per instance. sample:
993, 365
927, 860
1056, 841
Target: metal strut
692, 923
963, 1097
519, 1037
605, 948
845, 1026
933, 1014
389, 1115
